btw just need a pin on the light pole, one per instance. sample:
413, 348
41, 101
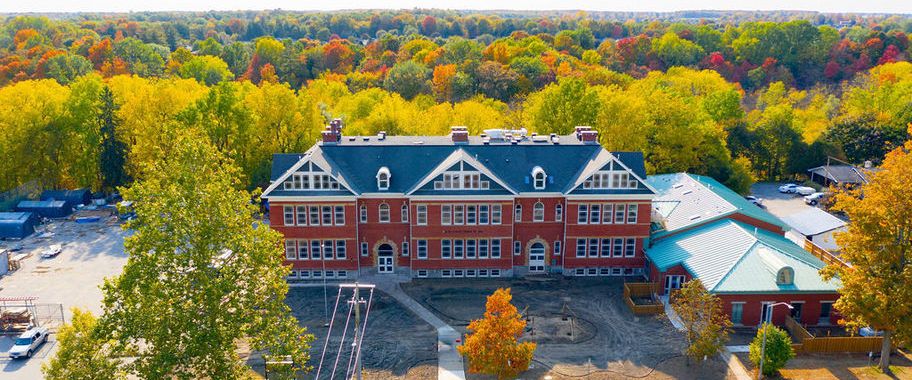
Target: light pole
769, 320
325, 296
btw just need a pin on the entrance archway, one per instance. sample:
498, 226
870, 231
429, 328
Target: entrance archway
537, 258
385, 256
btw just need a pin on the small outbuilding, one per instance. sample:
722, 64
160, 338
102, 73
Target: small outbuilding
817, 226
73, 198
46, 209
841, 175
17, 225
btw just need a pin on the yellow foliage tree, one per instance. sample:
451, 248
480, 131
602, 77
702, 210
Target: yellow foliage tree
492, 346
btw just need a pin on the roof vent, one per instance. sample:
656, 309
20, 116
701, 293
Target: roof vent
381, 136
419, 142
366, 138
687, 192
695, 217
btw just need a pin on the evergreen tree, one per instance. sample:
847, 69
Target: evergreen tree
113, 151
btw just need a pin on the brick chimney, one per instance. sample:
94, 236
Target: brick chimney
589, 137
459, 134
333, 132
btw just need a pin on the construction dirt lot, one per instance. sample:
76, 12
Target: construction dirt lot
582, 326
397, 344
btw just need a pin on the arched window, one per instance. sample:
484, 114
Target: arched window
538, 177
384, 213
383, 178
559, 213
517, 213
786, 276
538, 212
405, 213
363, 213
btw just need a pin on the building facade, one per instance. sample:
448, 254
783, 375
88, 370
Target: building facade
500, 204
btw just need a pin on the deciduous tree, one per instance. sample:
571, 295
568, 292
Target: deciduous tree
778, 349
492, 346
705, 325
82, 352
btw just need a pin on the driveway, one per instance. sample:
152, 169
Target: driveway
777, 203
91, 252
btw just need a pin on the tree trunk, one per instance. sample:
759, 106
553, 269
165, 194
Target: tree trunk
885, 353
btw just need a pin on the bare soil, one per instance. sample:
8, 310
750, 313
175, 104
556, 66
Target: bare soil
608, 340
397, 344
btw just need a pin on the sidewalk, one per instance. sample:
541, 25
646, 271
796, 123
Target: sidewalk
734, 365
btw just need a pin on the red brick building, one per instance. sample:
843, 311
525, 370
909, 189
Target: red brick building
500, 204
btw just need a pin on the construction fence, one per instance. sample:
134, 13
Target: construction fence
811, 344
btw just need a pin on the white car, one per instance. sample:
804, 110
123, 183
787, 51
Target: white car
804, 190
788, 188
52, 251
755, 200
814, 199
29, 342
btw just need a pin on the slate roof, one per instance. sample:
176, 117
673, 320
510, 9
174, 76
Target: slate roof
733, 257
813, 221
356, 160
684, 200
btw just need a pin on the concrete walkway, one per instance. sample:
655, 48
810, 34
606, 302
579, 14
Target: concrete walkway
734, 365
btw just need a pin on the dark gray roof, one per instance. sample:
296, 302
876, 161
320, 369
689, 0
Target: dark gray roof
410, 159
841, 173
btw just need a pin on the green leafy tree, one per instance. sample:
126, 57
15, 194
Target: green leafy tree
113, 155
408, 79
67, 67
778, 349
206, 69
705, 325
562, 106
876, 288
202, 275
676, 51
82, 353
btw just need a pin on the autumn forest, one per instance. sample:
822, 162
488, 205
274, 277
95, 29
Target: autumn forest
722, 94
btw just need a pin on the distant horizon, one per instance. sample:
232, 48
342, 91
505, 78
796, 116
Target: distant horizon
657, 6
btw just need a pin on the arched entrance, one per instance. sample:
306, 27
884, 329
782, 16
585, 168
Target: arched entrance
385, 258
536, 258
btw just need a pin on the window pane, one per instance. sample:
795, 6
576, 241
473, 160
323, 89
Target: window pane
580, 247
340, 215
446, 214
495, 248
606, 248
314, 216
327, 216
302, 215
582, 213
495, 214
289, 215
340, 249
607, 213
631, 214
445, 248
483, 214
458, 249
595, 214
593, 247
619, 214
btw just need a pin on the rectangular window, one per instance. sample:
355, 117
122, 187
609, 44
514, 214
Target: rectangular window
327, 216
591, 272
618, 247
482, 249
364, 251
363, 214
330, 274
557, 248
495, 272
302, 250
315, 250
495, 248
606, 248
290, 249
482, 273
446, 273
422, 215
580, 247
604, 271
580, 271
446, 215
630, 248
495, 214
517, 213
293, 275
340, 215
422, 249
631, 214
384, 213
342, 274
470, 248
445, 248
616, 271
581, 214
607, 213
302, 215
340, 249
317, 274
405, 248
517, 248
737, 314
422, 273
470, 273
405, 211
593, 247
471, 214
457, 272
619, 214
458, 246
595, 214
458, 214
483, 214
289, 215
314, 216
305, 274
327, 249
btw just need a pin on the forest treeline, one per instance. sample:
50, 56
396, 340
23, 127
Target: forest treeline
89, 100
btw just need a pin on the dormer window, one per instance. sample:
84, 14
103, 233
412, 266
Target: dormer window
383, 178
785, 276
539, 177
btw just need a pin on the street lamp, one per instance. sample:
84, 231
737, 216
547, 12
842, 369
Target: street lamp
325, 296
769, 320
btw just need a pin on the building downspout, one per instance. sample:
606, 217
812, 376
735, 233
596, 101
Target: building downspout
566, 219
357, 221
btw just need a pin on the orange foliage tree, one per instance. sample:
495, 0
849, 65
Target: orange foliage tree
492, 345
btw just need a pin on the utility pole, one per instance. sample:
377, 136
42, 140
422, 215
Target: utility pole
357, 300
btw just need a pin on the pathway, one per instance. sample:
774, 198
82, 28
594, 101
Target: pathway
734, 365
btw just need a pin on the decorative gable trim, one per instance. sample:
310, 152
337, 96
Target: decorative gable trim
455, 158
307, 158
604, 158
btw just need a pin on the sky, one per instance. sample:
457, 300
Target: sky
855, 6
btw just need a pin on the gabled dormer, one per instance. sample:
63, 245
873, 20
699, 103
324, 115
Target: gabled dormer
307, 177
608, 174
460, 173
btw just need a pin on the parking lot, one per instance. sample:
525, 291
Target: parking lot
90, 253
777, 203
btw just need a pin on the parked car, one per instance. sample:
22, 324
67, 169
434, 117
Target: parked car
52, 251
788, 188
804, 190
815, 198
29, 342
755, 200
868, 331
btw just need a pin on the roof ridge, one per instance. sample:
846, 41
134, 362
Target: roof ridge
799, 259
731, 269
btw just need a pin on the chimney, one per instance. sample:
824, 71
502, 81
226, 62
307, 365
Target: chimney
333, 132
459, 134
589, 137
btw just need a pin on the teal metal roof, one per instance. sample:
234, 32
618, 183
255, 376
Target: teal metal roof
732, 257
685, 200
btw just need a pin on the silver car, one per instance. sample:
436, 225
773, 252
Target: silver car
29, 342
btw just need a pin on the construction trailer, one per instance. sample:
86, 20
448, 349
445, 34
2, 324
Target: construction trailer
17, 225
73, 198
46, 209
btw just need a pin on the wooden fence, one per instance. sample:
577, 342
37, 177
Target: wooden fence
808, 343
822, 254
642, 290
